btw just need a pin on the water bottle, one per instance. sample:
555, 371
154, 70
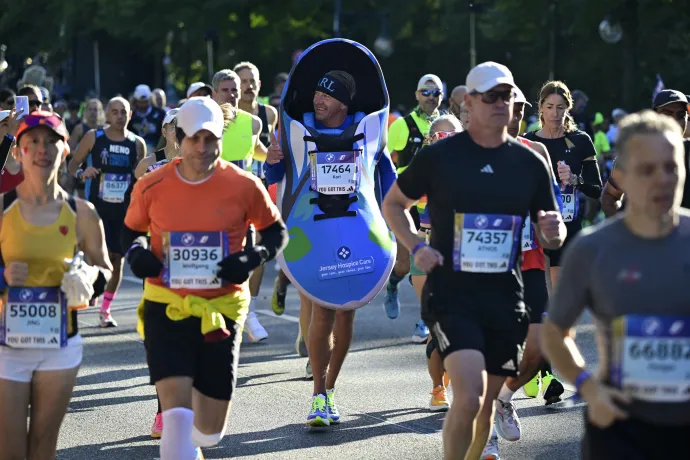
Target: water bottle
72, 302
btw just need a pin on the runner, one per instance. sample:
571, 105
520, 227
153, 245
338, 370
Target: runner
197, 207
167, 153
11, 174
327, 332
506, 421
147, 120
473, 297
94, 118
675, 105
41, 227
405, 137
199, 89
457, 99
111, 154
640, 394
241, 145
250, 86
33, 92
443, 127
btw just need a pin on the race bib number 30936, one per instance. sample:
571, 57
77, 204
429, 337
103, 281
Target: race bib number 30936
485, 243
651, 359
34, 317
190, 259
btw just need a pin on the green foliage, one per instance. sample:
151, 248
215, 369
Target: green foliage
429, 36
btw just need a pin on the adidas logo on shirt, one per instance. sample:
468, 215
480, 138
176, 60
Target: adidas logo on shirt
487, 169
508, 365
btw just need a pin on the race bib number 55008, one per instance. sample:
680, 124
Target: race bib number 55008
651, 359
190, 259
34, 317
485, 243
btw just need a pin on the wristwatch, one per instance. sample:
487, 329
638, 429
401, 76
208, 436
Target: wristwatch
577, 181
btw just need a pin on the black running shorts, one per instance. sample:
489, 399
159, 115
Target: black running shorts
497, 329
536, 293
633, 439
555, 255
112, 228
177, 349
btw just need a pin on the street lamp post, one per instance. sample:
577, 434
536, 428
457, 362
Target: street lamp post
336, 18
473, 34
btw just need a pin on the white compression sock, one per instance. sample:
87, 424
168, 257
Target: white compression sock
505, 394
252, 303
176, 442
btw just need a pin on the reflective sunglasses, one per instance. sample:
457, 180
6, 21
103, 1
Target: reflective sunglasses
437, 136
430, 92
490, 97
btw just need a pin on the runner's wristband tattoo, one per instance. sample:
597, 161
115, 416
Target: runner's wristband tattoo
418, 247
581, 379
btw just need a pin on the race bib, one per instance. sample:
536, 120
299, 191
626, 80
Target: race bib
570, 203
34, 317
651, 357
528, 237
113, 187
335, 173
485, 243
190, 259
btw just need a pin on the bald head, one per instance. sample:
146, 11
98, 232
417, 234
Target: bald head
121, 100
458, 94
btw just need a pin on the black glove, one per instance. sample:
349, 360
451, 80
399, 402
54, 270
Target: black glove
143, 262
236, 267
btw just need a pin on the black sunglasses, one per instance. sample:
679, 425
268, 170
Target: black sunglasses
35, 103
9, 103
490, 97
430, 92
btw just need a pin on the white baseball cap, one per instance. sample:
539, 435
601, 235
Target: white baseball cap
487, 75
196, 86
170, 116
430, 76
142, 92
520, 97
200, 113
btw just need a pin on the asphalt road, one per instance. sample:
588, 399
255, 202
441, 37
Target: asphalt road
382, 393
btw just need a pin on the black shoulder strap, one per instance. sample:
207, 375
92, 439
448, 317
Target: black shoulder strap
8, 199
411, 125
264, 118
72, 203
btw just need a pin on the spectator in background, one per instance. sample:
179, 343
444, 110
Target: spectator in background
34, 94
60, 108
158, 99
601, 142
580, 101
274, 101
199, 89
72, 118
457, 99
7, 99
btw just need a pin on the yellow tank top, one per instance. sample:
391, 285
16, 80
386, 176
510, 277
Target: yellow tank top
237, 140
44, 248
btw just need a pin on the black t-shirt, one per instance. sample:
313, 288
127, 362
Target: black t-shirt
579, 148
148, 126
478, 190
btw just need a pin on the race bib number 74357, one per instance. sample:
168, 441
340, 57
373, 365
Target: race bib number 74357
485, 243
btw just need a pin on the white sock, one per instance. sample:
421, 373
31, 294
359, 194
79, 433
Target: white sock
176, 441
505, 394
253, 302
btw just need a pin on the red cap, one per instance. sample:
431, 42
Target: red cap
42, 118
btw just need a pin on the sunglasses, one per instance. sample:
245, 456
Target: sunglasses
35, 103
430, 92
490, 97
437, 136
9, 103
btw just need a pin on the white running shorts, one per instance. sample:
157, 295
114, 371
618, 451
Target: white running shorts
20, 364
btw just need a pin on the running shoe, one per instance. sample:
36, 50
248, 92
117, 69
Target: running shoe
553, 389
506, 421
531, 388
333, 414
278, 299
439, 400
319, 412
106, 320
301, 346
255, 330
392, 303
157, 428
308, 373
421, 332
491, 449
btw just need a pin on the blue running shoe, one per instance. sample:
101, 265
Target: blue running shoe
319, 412
392, 303
421, 332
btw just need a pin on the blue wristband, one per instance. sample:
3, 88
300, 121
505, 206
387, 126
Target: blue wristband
3, 284
418, 247
581, 379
